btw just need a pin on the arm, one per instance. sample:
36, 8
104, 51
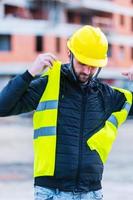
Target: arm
119, 100
21, 95
131, 110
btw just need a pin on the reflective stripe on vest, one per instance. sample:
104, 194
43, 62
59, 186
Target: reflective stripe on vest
45, 123
102, 140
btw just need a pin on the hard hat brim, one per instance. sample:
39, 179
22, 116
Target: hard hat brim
90, 61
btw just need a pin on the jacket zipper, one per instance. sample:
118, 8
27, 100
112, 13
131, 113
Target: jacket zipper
83, 105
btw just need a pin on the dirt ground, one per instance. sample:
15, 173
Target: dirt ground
16, 161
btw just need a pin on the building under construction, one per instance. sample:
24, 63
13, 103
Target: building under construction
30, 27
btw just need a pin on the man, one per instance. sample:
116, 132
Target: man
76, 117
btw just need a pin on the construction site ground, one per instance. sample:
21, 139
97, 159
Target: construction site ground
16, 161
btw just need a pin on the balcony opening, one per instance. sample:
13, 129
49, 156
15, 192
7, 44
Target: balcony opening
39, 43
103, 20
70, 17
79, 17
122, 20
121, 52
5, 42
58, 44
109, 50
17, 12
132, 24
132, 53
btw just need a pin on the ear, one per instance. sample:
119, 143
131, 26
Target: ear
68, 53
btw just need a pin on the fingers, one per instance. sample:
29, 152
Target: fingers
124, 73
47, 59
129, 74
41, 63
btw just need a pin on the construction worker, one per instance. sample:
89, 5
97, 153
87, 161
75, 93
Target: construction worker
75, 120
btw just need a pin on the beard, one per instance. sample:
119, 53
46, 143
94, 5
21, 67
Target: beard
84, 78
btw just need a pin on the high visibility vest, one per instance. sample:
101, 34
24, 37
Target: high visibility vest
45, 125
102, 140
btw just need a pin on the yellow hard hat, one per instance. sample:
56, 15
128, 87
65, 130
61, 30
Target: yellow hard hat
89, 46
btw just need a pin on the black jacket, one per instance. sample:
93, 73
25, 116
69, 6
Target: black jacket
82, 111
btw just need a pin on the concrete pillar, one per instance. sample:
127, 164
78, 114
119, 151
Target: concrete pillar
2, 10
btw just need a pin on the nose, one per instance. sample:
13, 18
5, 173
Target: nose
86, 69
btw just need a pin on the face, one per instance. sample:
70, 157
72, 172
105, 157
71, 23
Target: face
83, 72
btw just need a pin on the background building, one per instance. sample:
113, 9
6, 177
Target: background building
29, 27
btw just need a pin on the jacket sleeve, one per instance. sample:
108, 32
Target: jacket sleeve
119, 100
131, 110
21, 94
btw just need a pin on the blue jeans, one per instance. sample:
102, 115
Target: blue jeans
42, 193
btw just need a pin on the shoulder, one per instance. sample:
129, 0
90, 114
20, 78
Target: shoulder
109, 90
114, 96
39, 83
106, 89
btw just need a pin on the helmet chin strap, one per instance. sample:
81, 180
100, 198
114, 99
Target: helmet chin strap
73, 72
71, 67
98, 71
